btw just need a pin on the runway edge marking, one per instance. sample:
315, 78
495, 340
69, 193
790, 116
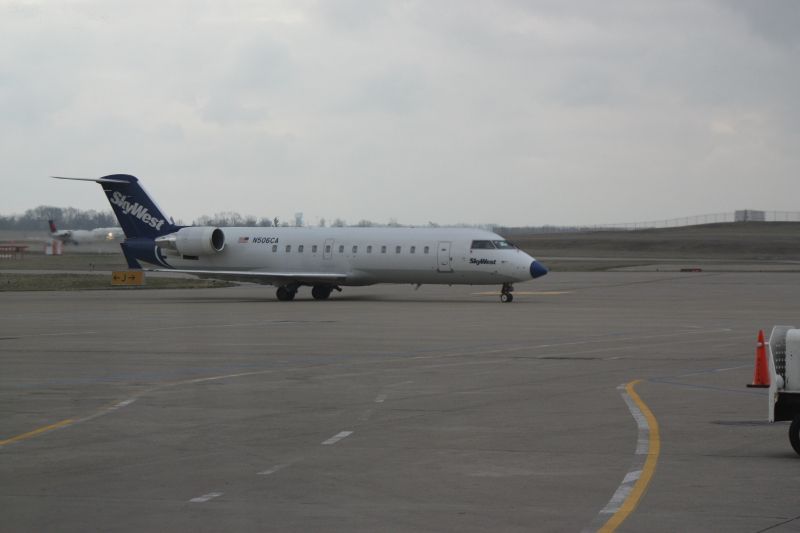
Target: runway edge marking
636, 481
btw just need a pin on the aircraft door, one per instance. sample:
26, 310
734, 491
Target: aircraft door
327, 250
443, 255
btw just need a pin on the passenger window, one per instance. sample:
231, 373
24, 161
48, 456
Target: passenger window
397, 249
413, 248
341, 248
288, 248
300, 249
327, 248
426, 249
355, 248
383, 249
369, 249
313, 248
482, 245
274, 247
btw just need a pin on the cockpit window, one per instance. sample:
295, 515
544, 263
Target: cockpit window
504, 245
482, 245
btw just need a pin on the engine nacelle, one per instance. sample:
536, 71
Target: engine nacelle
194, 240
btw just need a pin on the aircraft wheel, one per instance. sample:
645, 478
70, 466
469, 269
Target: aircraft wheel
506, 297
285, 294
794, 434
321, 292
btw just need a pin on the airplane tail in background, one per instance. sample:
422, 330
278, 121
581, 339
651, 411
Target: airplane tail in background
138, 214
52, 226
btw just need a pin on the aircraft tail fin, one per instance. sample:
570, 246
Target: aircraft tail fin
138, 214
53, 228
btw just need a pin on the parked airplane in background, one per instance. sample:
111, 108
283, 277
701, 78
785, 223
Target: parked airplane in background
323, 258
82, 236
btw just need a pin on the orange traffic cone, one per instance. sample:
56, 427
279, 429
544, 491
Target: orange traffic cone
760, 373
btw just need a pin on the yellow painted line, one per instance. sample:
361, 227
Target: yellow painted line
524, 293
36, 432
653, 450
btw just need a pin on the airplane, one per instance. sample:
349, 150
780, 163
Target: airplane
82, 236
326, 259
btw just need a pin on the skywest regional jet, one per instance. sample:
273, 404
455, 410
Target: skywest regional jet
324, 258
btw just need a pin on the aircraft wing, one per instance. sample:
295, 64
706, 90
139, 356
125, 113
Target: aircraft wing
268, 278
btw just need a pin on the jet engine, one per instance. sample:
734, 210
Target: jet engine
193, 240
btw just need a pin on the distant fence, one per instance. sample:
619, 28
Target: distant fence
747, 215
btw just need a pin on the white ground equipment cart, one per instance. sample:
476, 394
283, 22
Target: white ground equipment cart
784, 379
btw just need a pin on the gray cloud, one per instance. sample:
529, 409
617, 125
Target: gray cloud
513, 112
776, 21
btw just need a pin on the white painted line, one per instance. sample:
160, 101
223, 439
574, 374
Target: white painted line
527, 293
272, 470
124, 403
731, 368
632, 476
381, 398
336, 438
205, 497
635, 482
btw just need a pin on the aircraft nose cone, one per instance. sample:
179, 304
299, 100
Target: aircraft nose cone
537, 270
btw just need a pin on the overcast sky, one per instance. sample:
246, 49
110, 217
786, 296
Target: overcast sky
517, 113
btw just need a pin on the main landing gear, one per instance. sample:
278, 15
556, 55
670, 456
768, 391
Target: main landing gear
505, 293
321, 292
287, 293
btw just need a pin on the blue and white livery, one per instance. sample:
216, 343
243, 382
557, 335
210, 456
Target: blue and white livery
325, 259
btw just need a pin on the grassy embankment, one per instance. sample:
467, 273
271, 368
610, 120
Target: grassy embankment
79, 282
82, 272
750, 242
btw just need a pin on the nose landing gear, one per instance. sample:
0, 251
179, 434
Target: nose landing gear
505, 293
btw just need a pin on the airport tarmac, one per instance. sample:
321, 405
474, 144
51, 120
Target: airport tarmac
390, 409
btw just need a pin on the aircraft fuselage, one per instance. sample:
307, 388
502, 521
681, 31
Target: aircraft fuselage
366, 255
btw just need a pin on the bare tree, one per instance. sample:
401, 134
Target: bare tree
64, 217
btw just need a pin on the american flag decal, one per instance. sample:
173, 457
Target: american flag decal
244, 240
